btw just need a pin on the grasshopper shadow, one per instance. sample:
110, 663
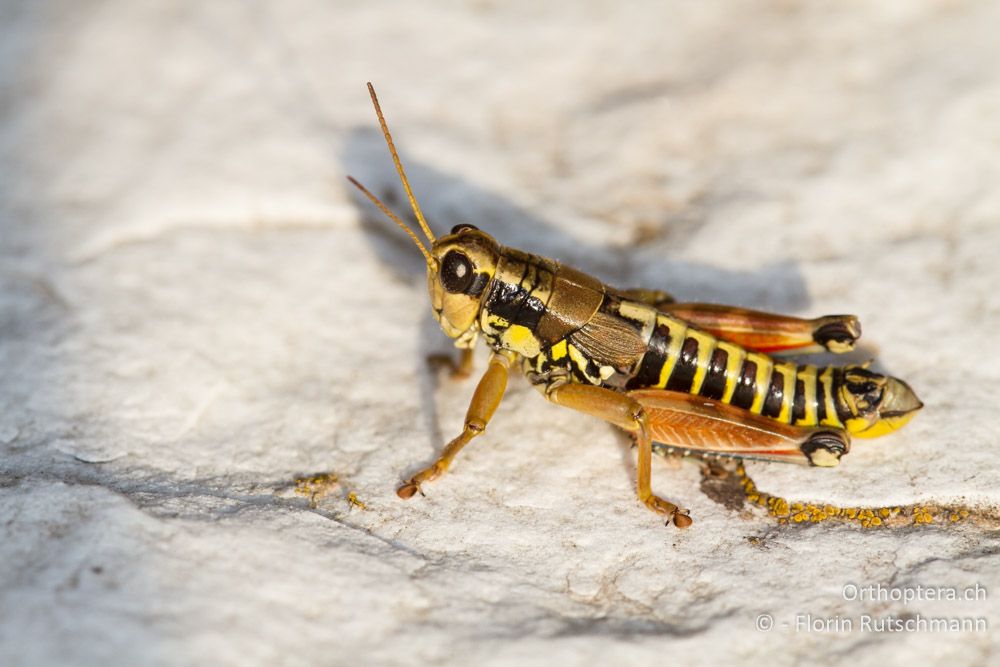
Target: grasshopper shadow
448, 200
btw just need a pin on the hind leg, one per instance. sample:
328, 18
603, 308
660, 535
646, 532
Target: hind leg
768, 332
626, 413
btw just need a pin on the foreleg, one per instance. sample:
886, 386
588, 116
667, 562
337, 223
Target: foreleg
484, 403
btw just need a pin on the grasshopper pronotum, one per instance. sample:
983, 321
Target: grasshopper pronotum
693, 376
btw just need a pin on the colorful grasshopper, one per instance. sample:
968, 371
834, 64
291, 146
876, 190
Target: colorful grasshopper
696, 377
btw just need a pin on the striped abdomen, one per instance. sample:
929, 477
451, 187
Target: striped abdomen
682, 358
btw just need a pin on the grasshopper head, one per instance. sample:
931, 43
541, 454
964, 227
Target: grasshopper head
877, 404
463, 265
459, 265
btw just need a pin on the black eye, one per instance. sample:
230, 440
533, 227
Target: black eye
456, 272
462, 227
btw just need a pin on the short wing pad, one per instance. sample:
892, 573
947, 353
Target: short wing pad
700, 424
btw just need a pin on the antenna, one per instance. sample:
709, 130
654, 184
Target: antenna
395, 218
399, 168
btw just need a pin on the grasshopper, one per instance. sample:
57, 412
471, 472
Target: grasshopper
695, 377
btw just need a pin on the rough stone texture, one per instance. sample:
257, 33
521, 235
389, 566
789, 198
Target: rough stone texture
195, 310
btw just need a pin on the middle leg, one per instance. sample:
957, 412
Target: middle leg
460, 369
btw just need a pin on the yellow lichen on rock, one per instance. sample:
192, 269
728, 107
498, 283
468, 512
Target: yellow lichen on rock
868, 517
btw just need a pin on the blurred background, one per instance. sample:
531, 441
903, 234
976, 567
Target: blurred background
196, 310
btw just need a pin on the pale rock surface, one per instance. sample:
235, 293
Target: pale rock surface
195, 310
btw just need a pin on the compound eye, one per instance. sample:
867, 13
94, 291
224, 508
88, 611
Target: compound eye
462, 227
456, 272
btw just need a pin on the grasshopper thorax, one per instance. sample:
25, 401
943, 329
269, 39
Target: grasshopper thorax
462, 266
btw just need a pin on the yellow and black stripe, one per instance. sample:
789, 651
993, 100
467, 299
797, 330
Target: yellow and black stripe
682, 358
515, 301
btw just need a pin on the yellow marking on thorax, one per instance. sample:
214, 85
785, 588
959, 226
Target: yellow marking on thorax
807, 375
558, 351
788, 395
706, 346
520, 339
762, 381
678, 332
542, 289
734, 362
510, 269
530, 278
581, 362
831, 409
491, 323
